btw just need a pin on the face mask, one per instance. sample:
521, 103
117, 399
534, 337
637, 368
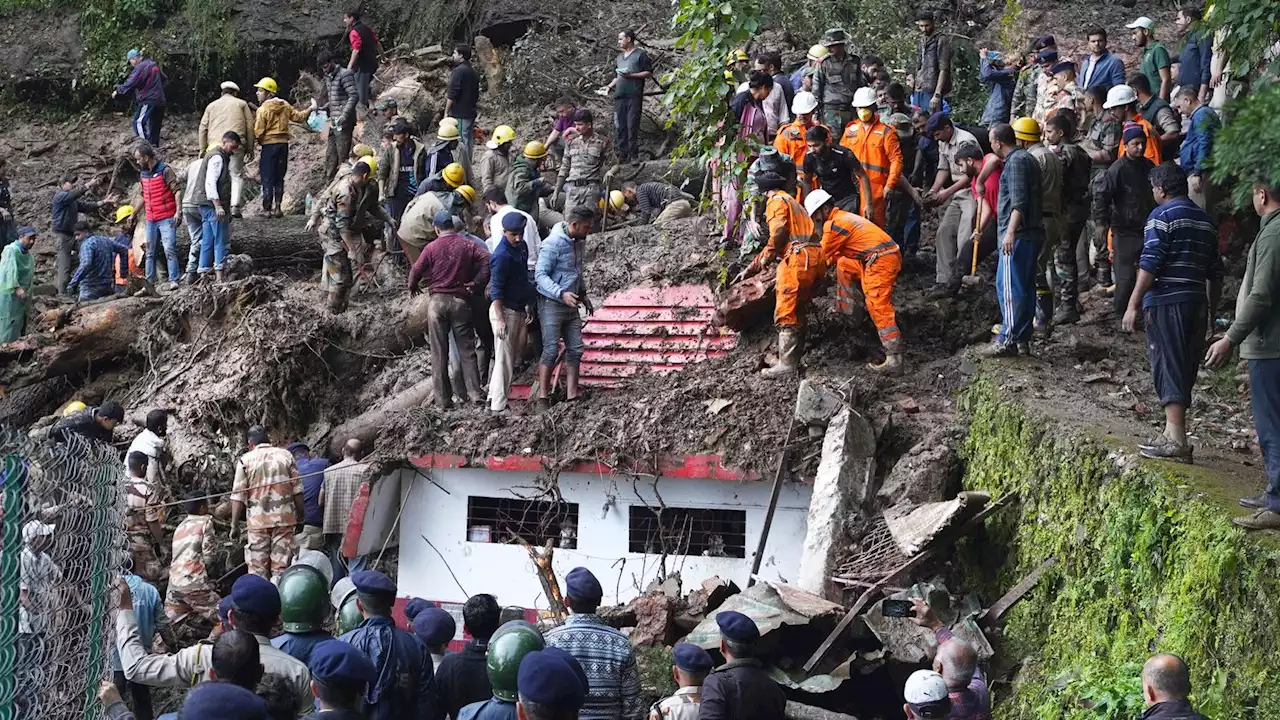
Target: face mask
865, 114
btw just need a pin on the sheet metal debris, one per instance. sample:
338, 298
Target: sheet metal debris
915, 528
770, 605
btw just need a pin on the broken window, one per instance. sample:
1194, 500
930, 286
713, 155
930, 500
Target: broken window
688, 531
501, 520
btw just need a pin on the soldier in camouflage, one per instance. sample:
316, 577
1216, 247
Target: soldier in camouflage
835, 79
582, 172
690, 665
190, 590
350, 205
142, 519
269, 489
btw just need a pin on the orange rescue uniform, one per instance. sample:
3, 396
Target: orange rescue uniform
1153, 151
791, 238
877, 147
790, 141
864, 255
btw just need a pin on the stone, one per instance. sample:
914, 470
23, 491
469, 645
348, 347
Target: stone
843, 481
710, 596
816, 403
618, 616
654, 614
928, 472
909, 406
669, 586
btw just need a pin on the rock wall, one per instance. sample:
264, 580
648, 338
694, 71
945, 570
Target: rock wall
1146, 562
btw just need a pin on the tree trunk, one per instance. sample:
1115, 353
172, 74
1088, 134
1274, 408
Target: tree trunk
800, 711
368, 424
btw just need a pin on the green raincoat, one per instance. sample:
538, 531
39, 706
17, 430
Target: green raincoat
17, 266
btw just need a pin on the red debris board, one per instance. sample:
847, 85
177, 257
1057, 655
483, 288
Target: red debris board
655, 329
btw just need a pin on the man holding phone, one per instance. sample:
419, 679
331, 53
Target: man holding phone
957, 662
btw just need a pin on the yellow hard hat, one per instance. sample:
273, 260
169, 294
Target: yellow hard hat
1025, 128
535, 150
449, 121
503, 134
468, 193
817, 52
454, 175
361, 150
617, 200
372, 162
448, 131
268, 84
729, 78
73, 407
123, 212
736, 56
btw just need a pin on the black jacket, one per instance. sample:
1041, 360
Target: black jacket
67, 207
464, 91
741, 690
1171, 710
1122, 199
84, 423
463, 678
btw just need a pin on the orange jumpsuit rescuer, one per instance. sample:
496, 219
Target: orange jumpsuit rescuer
800, 265
876, 146
865, 256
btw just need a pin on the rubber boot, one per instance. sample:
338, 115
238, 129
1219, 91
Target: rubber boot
892, 364
1043, 323
788, 354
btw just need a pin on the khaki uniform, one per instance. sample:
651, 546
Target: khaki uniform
417, 225
582, 172
494, 170
681, 706
189, 588
266, 482
140, 511
230, 114
190, 666
343, 236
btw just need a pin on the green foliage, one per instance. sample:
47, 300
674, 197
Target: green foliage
1144, 565
1013, 27
1248, 147
1248, 30
884, 29
697, 92
655, 665
108, 29
212, 38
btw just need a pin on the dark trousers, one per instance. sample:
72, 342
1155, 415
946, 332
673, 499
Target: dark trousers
1264, 388
626, 124
1065, 263
364, 78
139, 694
66, 253
1126, 248
146, 122
273, 163
1015, 290
451, 315
1175, 347
338, 149
904, 222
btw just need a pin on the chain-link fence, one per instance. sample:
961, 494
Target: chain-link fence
61, 543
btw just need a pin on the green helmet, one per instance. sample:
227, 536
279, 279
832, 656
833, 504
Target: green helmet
507, 648
349, 616
303, 597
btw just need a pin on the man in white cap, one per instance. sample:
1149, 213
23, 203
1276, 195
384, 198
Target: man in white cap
926, 696
1156, 63
230, 114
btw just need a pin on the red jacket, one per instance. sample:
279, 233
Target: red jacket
451, 265
158, 196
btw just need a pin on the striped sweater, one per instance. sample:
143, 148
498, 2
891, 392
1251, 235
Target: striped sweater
1180, 247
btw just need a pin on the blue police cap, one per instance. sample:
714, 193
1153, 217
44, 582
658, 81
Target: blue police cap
28, 231
550, 678
443, 219
581, 584
338, 662
254, 594
691, 658
372, 582
936, 122
222, 701
513, 221
736, 627
434, 626
415, 606
224, 607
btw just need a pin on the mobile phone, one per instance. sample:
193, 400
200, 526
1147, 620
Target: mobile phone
897, 608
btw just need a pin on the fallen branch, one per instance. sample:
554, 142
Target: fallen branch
546, 575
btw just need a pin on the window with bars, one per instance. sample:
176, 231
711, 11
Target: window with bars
498, 520
688, 531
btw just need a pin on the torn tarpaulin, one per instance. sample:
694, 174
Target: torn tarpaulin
914, 528
770, 606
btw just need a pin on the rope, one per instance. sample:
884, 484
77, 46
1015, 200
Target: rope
211, 496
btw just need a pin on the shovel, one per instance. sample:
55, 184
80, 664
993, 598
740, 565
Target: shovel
973, 279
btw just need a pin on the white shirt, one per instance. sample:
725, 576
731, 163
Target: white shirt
531, 238
211, 177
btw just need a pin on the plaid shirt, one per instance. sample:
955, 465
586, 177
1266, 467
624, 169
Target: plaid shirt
266, 481
605, 654
972, 702
1020, 189
341, 486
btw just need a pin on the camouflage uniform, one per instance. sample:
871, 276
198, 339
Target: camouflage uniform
189, 588
266, 482
140, 511
681, 706
344, 235
582, 172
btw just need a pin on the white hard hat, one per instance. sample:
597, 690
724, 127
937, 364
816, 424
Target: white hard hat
317, 560
804, 102
35, 529
1120, 95
815, 200
864, 97
924, 687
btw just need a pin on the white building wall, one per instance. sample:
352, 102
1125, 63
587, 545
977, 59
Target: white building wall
506, 571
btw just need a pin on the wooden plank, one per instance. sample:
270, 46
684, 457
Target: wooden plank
994, 614
773, 504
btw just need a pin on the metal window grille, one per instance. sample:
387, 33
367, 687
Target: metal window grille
688, 531
499, 520
61, 544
